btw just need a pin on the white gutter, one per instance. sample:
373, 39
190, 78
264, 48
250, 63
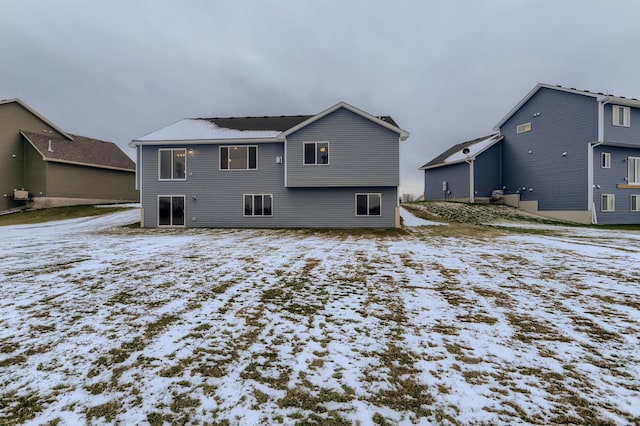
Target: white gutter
602, 100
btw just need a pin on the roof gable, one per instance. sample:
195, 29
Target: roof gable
37, 114
456, 154
80, 151
598, 96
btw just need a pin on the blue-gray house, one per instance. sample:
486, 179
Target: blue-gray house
562, 152
338, 168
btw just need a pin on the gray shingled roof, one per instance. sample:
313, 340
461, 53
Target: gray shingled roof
275, 122
440, 159
81, 150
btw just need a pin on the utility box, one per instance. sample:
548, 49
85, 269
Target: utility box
20, 195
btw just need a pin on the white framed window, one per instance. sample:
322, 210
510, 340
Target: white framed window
258, 204
635, 203
315, 153
605, 160
633, 170
171, 210
172, 164
525, 127
621, 115
608, 203
368, 204
244, 157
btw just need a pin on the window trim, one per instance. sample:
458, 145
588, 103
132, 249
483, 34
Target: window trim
184, 210
605, 160
615, 116
636, 204
160, 178
316, 153
368, 194
604, 206
244, 213
523, 128
248, 157
636, 170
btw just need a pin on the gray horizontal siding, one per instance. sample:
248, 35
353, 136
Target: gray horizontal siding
219, 194
566, 123
627, 135
487, 171
361, 153
606, 181
457, 178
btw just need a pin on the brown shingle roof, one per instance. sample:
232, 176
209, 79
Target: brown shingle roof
81, 150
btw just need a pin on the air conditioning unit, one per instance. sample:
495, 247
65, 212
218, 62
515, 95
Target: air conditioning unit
20, 195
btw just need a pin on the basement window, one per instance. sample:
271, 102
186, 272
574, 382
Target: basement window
608, 203
635, 203
368, 204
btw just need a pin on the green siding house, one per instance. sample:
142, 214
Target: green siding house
41, 165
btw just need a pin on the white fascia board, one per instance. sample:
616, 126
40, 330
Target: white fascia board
136, 142
403, 133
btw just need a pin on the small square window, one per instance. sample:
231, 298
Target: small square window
605, 160
608, 203
316, 153
621, 116
635, 203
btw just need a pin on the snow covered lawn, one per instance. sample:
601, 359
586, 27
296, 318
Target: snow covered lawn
443, 324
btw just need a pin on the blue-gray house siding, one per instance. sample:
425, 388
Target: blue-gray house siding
364, 159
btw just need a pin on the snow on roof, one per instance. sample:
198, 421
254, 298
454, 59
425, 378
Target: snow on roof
201, 129
474, 149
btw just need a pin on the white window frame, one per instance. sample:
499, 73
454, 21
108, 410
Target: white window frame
608, 203
160, 150
244, 213
368, 194
633, 170
523, 128
315, 163
621, 116
605, 160
228, 147
635, 202
184, 211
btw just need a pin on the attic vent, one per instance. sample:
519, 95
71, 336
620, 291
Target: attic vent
526, 127
50, 149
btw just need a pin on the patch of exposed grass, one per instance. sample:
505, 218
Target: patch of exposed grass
56, 213
16, 409
108, 410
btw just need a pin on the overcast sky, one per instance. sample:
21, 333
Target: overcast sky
447, 70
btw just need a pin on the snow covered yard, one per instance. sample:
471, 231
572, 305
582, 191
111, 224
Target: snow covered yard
446, 324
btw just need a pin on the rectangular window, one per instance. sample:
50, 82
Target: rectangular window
633, 170
172, 164
368, 204
258, 205
171, 210
621, 116
608, 203
316, 152
635, 203
605, 160
526, 127
238, 157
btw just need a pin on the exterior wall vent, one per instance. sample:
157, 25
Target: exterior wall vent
20, 195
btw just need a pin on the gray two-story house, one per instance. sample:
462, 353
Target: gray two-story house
338, 168
563, 152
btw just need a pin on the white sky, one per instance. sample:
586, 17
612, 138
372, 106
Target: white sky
447, 71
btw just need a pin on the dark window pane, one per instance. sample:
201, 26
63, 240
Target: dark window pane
224, 158
309, 153
361, 205
267, 205
164, 211
323, 153
248, 205
374, 205
253, 157
257, 205
165, 164
179, 164
178, 210
238, 157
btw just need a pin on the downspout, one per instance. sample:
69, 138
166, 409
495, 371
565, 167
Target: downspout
590, 184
